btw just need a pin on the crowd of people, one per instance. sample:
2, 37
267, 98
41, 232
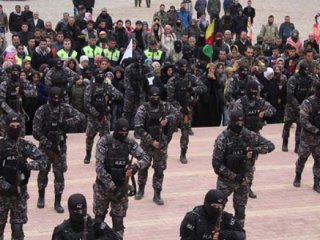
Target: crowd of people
77, 77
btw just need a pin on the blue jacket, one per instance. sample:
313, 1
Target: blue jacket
185, 18
201, 6
285, 30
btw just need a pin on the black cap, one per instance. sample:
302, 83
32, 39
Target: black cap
252, 85
236, 115
214, 196
122, 124
77, 202
55, 92
98, 71
154, 91
15, 67
12, 117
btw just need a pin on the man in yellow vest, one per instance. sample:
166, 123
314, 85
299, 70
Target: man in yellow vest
112, 53
92, 50
153, 53
66, 51
21, 55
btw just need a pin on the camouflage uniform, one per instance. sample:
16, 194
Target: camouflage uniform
112, 158
62, 78
98, 111
136, 87
298, 88
252, 121
147, 127
182, 91
11, 102
13, 155
310, 139
230, 161
50, 126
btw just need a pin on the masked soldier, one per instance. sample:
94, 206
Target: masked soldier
182, 89
209, 221
80, 225
254, 109
14, 176
310, 137
12, 93
61, 77
237, 86
50, 125
152, 126
232, 155
113, 169
136, 86
298, 88
97, 100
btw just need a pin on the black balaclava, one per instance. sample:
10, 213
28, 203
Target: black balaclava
77, 206
55, 96
243, 71
154, 92
99, 75
235, 116
122, 125
214, 197
58, 64
304, 69
13, 133
252, 90
15, 72
183, 67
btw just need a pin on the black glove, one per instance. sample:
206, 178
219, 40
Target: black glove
22, 166
64, 126
239, 179
118, 193
48, 145
184, 110
12, 190
134, 168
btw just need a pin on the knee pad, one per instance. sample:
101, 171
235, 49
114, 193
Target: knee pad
158, 172
17, 231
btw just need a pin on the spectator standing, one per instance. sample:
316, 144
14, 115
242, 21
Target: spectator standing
214, 8
15, 20
200, 7
286, 29
249, 11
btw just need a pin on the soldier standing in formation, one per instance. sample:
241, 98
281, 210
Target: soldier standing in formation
233, 152
152, 126
113, 171
14, 175
80, 225
12, 92
50, 125
254, 109
97, 98
298, 88
182, 88
310, 137
209, 221
136, 86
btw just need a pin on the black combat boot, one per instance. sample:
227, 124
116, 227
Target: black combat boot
40, 203
87, 157
117, 226
297, 180
57, 203
251, 193
316, 185
140, 193
157, 197
183, 157
17, 231
285, 145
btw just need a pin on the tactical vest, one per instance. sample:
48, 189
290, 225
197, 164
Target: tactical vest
180, 91
19, 59
235, 154
251, 114
152, 122
117, 159
12, 99
302, 89
315, 115
59, 78
51, 125
99, 92
10, 157
68, 233
241, 87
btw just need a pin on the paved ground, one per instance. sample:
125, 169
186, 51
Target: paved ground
280, 211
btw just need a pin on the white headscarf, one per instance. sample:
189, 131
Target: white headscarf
267, 72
